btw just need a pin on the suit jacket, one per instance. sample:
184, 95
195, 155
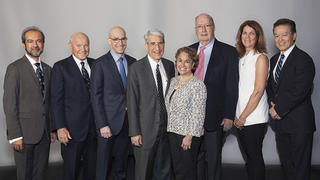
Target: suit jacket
143, 102
221, 80
292, 96
108, 93
70, 99
26, 110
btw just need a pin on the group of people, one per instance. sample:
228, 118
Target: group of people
175, 124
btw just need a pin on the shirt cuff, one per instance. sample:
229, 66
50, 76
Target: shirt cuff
15, 139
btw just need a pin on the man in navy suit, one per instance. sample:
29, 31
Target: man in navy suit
71, 110
289, 91
108, 89
220, 75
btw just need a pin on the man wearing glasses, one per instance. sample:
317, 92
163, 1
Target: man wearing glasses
218, 69
148, 80
108, 94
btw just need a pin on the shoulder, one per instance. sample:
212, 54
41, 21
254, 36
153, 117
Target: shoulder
63, 61
194, 45
197, 84
130, 58
224, 46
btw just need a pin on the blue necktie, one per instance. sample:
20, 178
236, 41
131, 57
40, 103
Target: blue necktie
40, 77
122, 72
85, 75
278, 69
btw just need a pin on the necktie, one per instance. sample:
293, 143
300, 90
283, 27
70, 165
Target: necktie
40, 77
200, 69
278, 69
163, 112
122, 72
85, 74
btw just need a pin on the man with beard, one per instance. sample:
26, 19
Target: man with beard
26, 107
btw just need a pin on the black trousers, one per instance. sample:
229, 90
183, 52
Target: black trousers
74, 152
184, 162
153, 163
115, 147
213, 142
32, 162
250, 139
295, 154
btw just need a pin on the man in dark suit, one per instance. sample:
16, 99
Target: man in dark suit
108, 91
148, 81
219, 71
289, 91
71, 111
26, 107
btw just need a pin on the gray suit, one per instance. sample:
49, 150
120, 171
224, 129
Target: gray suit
27, 116
144, 119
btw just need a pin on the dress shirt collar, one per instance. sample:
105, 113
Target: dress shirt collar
78, 61
211, 43
288, 51
116, 57
153, 63
32, 62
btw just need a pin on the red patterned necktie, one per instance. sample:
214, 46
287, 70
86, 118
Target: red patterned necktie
200, 69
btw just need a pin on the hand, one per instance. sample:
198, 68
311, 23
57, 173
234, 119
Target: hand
18, 145
186, 142
53, 137
238, 123
105, 132
227, 124
273, 113
136, 140
63, 135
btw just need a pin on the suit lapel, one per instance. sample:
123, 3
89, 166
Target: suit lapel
30, 70
149, 75
166, 69
114, 69
287, 64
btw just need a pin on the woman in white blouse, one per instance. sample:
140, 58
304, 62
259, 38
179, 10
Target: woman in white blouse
185, 103
252, 108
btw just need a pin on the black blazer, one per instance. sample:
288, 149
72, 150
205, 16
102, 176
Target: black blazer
293, 94
70, 99
108, 93
221, 80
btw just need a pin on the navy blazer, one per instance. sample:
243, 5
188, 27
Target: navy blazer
221, 80
70, 99
292, 96
108, 93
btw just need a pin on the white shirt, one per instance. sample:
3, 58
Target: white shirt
86, 65
247, 73
286, 54
32, 62
207, 55
164, 78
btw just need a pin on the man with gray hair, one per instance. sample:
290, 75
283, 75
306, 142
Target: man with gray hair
26, 107
148, 80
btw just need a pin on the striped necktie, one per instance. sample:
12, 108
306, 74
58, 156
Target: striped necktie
278, 69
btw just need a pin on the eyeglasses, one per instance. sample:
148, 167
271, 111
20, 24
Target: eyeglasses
116, 40
156, 43
204, 26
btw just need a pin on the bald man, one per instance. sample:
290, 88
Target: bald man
108, 93
71, 111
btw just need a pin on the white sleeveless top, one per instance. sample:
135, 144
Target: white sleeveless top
247, 70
